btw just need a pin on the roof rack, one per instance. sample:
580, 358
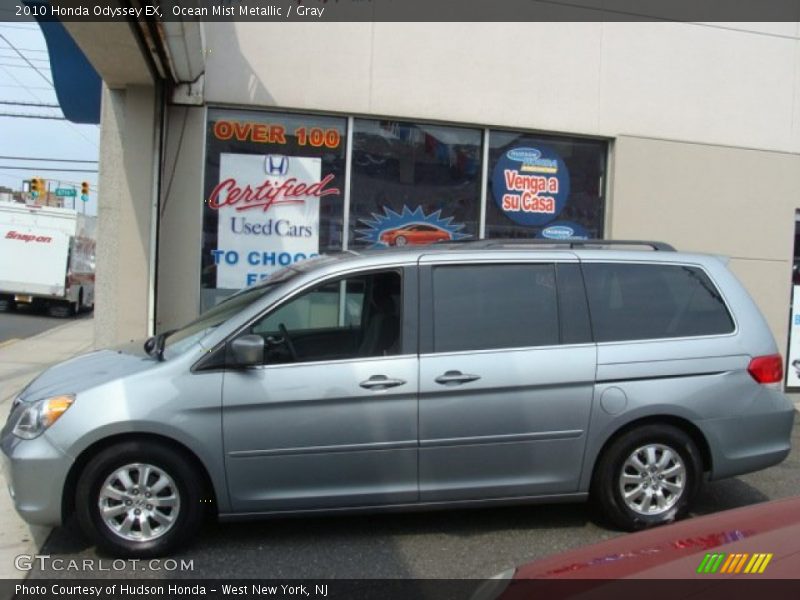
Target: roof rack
499, 243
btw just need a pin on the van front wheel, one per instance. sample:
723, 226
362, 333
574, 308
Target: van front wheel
139, 500
647, 477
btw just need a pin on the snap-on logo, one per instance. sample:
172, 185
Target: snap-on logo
27, 237
276, 165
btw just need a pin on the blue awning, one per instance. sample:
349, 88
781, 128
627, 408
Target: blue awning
77, 84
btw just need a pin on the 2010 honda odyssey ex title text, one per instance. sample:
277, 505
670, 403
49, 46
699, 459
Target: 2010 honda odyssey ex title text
451, 375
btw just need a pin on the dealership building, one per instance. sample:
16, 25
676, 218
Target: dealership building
232, 149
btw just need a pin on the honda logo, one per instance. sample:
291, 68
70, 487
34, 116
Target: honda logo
276, 164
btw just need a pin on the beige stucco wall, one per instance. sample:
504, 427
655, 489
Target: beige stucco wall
730, 84
125, 186
731, 201
727, 92
181, 218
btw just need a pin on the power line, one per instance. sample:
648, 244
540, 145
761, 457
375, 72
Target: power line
26, 116
26, 87
27, 50
69, 160
13, 66
36, 104
10, 168
23, 57
14, 57
37, 97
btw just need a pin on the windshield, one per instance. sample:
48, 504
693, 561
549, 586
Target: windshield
179, 341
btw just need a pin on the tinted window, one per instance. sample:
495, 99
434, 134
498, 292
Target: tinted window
572, 310
347, 318
406, 174
494, 306
633, 302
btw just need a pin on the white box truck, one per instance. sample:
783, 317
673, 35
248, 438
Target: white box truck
47, 258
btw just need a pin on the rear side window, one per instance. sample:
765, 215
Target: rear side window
635, 302
481, 307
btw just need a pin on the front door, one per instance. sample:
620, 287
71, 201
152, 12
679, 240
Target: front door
330, 419
506, 377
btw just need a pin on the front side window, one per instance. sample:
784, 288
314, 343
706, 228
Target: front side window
638, 301
494, 306
345, 318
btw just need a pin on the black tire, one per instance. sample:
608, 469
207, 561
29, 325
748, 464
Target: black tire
606, 482
189, 491
61, 310
7, 304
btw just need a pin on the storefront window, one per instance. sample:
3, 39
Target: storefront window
274, 189
793, 355
413, 184
545, 187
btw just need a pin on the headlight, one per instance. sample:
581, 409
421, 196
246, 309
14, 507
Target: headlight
39, 415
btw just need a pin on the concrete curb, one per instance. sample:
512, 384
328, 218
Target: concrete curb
22, 361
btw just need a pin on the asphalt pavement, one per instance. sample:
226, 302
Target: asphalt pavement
24, 322
446, 544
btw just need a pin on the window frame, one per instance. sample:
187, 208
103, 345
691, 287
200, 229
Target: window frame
409, 310
426, 315
700, 267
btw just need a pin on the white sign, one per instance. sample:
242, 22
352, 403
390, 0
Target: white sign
793, 366
268, 214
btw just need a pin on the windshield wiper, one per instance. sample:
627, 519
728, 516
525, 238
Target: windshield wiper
154, 346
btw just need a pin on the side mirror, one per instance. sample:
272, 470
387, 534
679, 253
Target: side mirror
248, 351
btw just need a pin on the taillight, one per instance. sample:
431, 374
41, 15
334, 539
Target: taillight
766, 369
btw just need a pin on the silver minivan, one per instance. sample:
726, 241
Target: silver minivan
468, 374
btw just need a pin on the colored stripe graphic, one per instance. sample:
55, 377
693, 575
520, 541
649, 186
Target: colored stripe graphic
721, 562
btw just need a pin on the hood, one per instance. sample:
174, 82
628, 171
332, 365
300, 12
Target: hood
85, 372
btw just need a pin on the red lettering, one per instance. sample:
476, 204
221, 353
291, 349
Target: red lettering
223, 130
25, 237
510, 202
277, 134
242, 130
260, 133
531, 183
228, 193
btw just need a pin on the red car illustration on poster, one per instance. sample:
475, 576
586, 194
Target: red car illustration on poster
415, 234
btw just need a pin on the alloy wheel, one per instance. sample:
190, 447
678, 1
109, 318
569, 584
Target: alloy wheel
652, 479
139, 502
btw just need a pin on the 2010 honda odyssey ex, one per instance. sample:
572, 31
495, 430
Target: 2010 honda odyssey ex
454, 375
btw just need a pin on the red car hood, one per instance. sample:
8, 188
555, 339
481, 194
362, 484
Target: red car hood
676, 551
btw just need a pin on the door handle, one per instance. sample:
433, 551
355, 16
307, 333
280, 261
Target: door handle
381, 382
455, 378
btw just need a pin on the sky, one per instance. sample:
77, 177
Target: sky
39, 138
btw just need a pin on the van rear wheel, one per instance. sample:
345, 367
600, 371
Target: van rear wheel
647, 477
139, 500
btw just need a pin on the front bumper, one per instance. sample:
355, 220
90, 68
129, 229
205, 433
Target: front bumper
35, 472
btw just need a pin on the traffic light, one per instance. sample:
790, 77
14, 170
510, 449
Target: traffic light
37, 187
85, 191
